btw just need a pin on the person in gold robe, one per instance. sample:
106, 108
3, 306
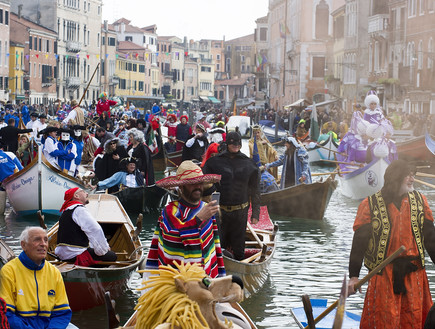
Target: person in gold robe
265, 149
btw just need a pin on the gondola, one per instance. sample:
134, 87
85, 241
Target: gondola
418, 149
175, 158
324, 150
259, 250
307, 201
85, 286
160, 159
143, 199
6, 253
350, 320
39, 186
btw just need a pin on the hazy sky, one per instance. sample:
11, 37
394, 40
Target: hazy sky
196, 19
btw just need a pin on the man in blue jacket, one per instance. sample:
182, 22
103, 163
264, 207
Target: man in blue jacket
33, 288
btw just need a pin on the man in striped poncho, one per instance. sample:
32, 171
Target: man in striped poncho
187, 230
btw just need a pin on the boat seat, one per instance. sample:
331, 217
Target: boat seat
251, 251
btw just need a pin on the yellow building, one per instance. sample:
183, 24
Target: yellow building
16, 74
130, 70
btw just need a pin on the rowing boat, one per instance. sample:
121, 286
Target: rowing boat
38, 186
420, 148
6, 253
85, 286
259, 249
175, 158
350, 320
143, 199
324, 150
364, 181
308, 201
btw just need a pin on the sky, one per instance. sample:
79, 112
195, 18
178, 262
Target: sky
196, 19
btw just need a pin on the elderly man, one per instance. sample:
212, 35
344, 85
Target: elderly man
32, 287
239, 187
398, 297
80, 239
129, 176
187, 230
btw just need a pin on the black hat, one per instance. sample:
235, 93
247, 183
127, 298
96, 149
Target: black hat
64, 130
234, 138
42, 116
126, 161
34, 114
77, 127
47, 130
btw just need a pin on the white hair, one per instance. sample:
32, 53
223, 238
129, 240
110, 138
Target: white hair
24, 236
137, 135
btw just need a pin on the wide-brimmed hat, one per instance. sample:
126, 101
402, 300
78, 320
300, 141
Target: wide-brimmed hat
188, 173
48, 130
42, 116
34, 114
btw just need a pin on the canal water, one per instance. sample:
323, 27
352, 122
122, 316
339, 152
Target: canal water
311, 258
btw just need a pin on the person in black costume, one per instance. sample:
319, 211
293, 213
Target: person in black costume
137, 149
196, 145
9, 135
239, 186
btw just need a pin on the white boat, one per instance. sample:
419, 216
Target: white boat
268, 128
39, 186
240, 123
326, 150
364, 181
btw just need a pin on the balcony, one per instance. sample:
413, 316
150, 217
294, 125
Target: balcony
73, 46
72, 82
378, 25
168, 74
114, 80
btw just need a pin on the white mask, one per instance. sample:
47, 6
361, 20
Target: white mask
77, 133
64, 136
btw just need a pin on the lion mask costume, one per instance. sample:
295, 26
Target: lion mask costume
185, 298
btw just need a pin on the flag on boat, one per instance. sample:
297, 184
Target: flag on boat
314, 127
152, 142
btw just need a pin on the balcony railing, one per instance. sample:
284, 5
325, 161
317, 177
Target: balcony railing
73, 46
72, 82
378, 24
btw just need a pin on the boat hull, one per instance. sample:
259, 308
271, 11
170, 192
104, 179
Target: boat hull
415, 149
142, 199
85, 287
30, 190
308, 201
318, 154
350, 320
364, 181
175, 158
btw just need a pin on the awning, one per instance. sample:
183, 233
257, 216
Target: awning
329, 101
214, 100
297, 103
204, 98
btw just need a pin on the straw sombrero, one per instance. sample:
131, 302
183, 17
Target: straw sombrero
188, 173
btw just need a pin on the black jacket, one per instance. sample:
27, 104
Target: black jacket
145, 165
195, 152
240, 180
9, 137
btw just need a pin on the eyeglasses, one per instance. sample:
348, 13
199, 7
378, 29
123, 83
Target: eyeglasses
112, 143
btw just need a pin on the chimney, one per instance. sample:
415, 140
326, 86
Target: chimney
20, 7
106, 25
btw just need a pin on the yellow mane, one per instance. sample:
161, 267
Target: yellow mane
163, 303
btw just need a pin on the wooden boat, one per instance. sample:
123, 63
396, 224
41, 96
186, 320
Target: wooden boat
420, 148
144, 199
268, 128
259, 250
364, 181
6, 253
39, 186
350, 320
175, 158
85, 286
308, 201
325, 150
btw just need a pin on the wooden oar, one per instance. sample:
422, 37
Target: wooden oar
173, 163
424, 183
175, 139
308, 311
251, 258
422, 174
41, 220
327, 148
254, 234
362, 281
330, 173
339, 315
344, 162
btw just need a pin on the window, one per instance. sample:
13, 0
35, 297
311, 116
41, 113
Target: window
422, 5
205, 86
205, 69
47, 46
35, 43
40, 44
420, 55
218, 67
144, 39
263, 34
243, 68
218, 57
98, 40
112, 42
103, 40
431, 53
99, 10
1, 16
318, 67
412, 4
141, 68
141, 84
129, 38
6, 17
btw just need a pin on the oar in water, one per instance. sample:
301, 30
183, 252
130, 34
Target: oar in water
424, 183
358, 285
